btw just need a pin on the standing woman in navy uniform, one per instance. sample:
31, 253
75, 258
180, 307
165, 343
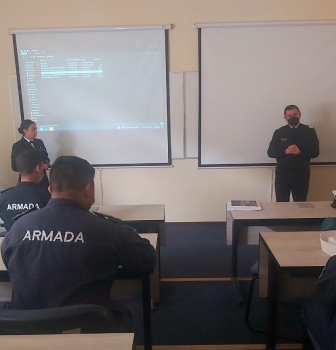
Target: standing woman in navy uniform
28, 130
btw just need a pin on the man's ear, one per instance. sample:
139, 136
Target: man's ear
49, 189
89, 190
39, 168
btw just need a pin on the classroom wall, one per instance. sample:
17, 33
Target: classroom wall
190, 194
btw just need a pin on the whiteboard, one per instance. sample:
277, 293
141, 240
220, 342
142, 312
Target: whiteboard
249, 73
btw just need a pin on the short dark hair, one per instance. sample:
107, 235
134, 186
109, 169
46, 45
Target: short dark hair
70, 173
290, 107
27, 161
25, 125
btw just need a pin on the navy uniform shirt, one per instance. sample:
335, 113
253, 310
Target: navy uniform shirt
319, 311
22, 145
304, 137
64, 255
24, 196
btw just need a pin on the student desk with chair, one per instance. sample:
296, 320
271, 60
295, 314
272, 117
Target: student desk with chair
145, 218
296, 214
289, 266
117, 341
149, 283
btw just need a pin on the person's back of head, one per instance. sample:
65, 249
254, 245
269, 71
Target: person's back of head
30, 165
73, 178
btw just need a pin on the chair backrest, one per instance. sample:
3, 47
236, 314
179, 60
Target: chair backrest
328, 224
67, 319
314, 341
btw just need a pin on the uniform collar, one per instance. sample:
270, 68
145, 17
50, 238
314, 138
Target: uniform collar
27, 183
65, 202
294, 127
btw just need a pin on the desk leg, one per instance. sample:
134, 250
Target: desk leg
272, 304
234, 262
146, 299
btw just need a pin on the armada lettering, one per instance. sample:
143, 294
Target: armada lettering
58, 237
68, 239
36, 234
80, 237
65, 237
44, 236
22, 206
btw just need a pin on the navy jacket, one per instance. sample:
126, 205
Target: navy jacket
304, 137
22, 145
65, 255
24, 196
319, 312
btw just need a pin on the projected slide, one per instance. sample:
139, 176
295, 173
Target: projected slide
99, 95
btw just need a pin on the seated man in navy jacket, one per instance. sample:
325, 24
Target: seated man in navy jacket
27, 194
64, 254
319, 312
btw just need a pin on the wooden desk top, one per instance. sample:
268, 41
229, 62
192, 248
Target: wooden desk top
295, 249
287, 210
152, 237
102, 341
150, 212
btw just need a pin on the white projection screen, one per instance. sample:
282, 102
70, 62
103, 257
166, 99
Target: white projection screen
97, 93
249, 72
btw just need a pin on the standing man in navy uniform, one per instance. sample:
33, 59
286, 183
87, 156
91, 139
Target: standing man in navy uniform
28, 129
27, 194
293, 145
64, 254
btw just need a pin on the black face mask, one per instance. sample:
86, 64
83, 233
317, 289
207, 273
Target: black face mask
294, 121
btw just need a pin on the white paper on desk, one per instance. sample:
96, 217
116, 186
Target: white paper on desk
244, 208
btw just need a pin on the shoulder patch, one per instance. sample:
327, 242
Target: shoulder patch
24, 213
3, 191
311, 127
107, 217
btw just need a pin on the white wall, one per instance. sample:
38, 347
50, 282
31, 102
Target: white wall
190, 194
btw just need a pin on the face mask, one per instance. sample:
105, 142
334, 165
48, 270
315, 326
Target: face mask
294, 121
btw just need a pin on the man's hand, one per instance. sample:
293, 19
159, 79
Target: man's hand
293, 149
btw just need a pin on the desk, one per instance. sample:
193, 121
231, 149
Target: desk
103, 341
271, 214
144, 218
146, 279
129, 289
147, 218
289, 265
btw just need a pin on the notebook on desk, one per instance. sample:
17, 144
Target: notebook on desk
305, 205
236, 204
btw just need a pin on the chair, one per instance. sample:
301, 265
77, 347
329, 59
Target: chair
314, 341
255, 276
67, 319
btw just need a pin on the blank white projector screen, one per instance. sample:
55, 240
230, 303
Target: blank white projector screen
97, 94
249, 73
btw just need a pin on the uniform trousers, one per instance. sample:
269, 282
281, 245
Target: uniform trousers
295, 182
